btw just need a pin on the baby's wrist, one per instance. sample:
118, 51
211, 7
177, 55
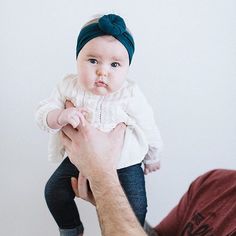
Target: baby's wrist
52, 119
59, 124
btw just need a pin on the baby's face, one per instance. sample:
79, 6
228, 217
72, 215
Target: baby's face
102, 65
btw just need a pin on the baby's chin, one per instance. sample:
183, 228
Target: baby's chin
101, 91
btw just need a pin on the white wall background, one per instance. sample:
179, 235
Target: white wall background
185, 61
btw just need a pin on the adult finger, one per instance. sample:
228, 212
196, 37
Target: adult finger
85, 128
80, 187
83, 187
69, 131
81, 118
66, 141
118, 131
74, 184
84, 190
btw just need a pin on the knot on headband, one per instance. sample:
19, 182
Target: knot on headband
110, 24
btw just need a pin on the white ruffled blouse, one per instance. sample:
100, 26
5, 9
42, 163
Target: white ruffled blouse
142, 140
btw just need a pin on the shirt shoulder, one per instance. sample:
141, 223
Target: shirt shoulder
69, 86
128, 87
124, 93
208, 205
216, 178
134, 90
209, 184
69, 81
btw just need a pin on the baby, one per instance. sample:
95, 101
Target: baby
101, 94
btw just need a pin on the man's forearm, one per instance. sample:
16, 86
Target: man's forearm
115, 214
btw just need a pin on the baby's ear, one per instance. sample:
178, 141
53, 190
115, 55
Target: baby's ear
68, 104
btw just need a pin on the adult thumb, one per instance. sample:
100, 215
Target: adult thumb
118, 131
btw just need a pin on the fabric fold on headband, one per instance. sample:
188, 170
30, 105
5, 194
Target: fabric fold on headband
110, 24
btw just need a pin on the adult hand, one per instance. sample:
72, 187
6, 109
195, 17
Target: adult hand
92, 151
95, 154
80, 186
81, 189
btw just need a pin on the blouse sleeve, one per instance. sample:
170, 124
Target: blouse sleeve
55, 101
140, 110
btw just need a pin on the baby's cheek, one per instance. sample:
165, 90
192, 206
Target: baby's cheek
87, 83
116, 85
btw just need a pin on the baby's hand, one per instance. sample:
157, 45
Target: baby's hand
148, 168
72, 116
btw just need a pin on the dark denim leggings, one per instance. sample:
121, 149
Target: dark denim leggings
60, 196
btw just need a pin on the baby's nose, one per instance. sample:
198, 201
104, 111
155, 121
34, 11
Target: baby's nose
102, 72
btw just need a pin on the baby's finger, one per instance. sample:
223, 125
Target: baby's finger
68, 104
146, 171
74, 121
85, 127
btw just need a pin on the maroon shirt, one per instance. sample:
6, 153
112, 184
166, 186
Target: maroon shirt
207, 209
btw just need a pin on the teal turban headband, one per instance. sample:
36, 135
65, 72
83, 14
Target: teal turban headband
110, 24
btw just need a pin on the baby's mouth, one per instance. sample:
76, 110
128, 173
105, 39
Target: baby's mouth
100, 83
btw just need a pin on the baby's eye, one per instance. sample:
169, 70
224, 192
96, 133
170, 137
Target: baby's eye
115, 64
93, 61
